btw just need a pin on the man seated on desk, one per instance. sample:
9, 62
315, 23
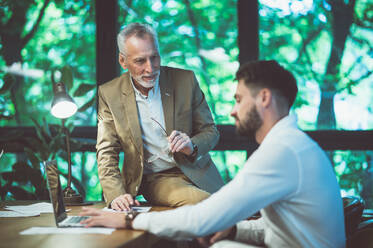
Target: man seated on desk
159, 118
288, 178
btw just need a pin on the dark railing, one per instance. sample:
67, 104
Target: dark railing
229, 140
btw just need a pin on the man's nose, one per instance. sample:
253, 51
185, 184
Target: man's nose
149, 67
234, 111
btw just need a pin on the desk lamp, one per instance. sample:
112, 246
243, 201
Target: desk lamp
63, 106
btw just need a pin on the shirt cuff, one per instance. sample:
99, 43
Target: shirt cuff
141, 222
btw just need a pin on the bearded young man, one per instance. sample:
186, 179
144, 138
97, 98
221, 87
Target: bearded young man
159, 118
288, 178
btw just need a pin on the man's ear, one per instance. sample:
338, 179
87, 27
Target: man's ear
122, 61
265, 97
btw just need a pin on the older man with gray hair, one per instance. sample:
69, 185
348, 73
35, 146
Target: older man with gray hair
159, 118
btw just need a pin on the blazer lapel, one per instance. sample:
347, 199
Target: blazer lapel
129, 102
167, 95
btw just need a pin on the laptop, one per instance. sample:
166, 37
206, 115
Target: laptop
56, 197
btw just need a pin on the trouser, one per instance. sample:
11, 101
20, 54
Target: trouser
171, 188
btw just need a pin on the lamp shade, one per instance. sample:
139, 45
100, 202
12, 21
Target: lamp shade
63, 106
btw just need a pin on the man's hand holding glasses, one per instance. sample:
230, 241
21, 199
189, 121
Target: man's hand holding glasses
178, 141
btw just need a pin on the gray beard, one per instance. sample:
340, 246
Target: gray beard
146, 84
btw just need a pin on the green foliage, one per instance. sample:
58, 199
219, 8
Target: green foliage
327, 49
26, 180
354, 170
19, 179
200, 35
67, 76
65, 36
7, 83
8, 80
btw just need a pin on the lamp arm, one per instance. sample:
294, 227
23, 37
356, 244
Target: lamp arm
67, 134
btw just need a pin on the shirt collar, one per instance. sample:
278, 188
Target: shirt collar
289, 121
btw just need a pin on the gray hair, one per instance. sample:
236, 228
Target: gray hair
137, 29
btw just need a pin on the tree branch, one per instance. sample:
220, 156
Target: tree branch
28, 36
358, 60
308, 40
127, 7
198, 45
366, 75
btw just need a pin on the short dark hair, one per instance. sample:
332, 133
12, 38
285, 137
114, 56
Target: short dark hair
269, 74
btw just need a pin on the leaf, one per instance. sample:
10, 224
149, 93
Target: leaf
42, 193
83, 89
4, 190
53, 71
6, 117
8, 176
67, 77
9, 80
87, 105
40, 133
39, 130
75, 144
56, 144
46, 128
35, 161
79, 187
21, 194
22, 172
11, 136
36, 178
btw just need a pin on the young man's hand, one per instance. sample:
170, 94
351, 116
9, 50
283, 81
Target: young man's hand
103, 218
207, 241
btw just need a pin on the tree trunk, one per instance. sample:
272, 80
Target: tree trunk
342, 18
199, 47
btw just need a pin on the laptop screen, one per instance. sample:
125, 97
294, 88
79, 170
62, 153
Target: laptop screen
55, 191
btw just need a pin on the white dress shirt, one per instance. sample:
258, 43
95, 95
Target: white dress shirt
288, 178
156, 153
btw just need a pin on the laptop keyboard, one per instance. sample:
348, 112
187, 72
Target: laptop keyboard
75, 219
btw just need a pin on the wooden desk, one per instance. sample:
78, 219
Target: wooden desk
11, 227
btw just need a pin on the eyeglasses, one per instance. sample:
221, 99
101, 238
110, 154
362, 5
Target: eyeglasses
165, 150
159, 124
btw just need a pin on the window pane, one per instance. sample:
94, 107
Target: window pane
354, 172
201, 36
64, 37
228, 163
84, 170
331, 54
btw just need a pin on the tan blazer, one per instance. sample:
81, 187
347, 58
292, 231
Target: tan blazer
185, 109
